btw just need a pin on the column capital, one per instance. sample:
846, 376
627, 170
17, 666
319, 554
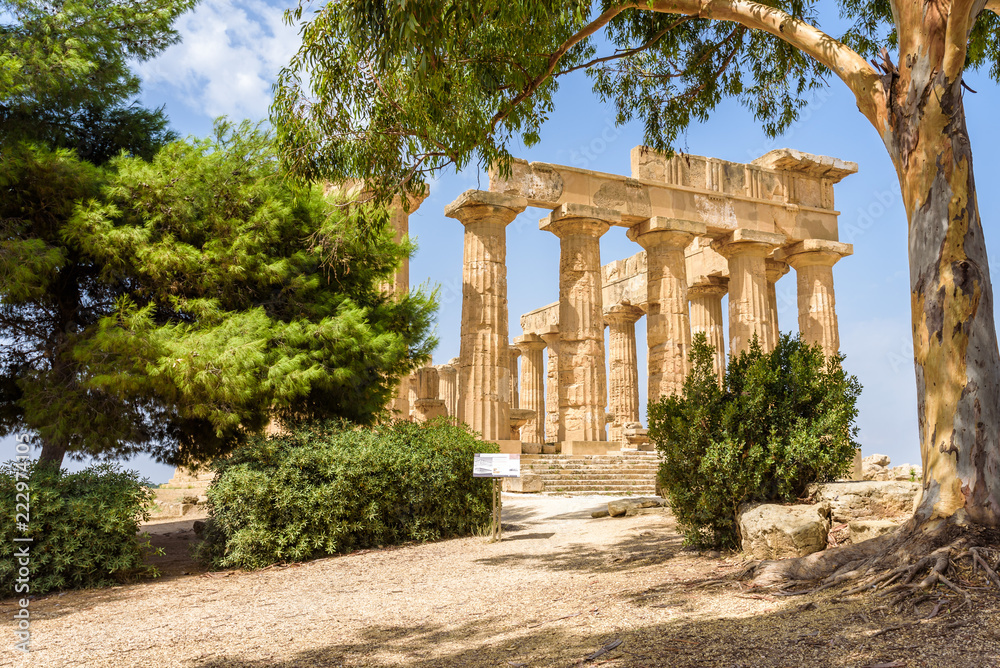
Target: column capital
514, 350
475, 206
814, 252
570, 218
623, 313
662, 231
527, 342
745, 241
709, 286
550, 334
775, 268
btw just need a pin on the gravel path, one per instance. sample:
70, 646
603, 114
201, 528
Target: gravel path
557, 589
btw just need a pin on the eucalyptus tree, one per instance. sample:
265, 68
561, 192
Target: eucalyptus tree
393, 90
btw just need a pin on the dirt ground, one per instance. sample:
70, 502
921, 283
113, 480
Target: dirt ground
560, 587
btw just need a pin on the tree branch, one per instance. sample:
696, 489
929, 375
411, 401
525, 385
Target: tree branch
529, 90
629, 52
852, 69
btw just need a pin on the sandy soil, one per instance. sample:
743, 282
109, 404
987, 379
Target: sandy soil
560, 587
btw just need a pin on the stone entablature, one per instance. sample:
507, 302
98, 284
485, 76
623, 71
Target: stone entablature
784, 191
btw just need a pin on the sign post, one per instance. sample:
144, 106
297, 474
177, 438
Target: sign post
496, 466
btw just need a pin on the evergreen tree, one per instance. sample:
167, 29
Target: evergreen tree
175, 306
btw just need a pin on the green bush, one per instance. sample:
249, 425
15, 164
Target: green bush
83, 527
780, 421
331, 487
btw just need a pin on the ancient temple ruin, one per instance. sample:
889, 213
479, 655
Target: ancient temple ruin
705, 227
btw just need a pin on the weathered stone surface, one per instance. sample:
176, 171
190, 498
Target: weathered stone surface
623, 395
867, 499
527, 483
484, 369
599, 513
668, 325
749, 311
532, 349
862, 530
813, 260
706, 316
771, 531
553, 421
876, 460
622, 507
582, 380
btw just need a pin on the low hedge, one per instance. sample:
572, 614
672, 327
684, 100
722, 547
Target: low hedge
330, 487
82, 527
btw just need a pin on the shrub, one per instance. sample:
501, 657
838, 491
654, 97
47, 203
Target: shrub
83, 527
331, 487
780, 421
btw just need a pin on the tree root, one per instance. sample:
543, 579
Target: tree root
933, 561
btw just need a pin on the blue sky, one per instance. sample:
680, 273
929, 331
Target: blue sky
231, 53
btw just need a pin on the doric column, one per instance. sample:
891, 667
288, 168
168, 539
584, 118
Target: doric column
483, 366
749, 313
532, 386
582, 379
623, 391
550, 335
512, 354
813, 260
400, 221
706, 316
668, 326
773, 270
427, 405
448, 386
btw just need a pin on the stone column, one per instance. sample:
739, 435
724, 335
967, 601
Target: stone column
512, 354
813, 260
448, 386
706, 316
532, 386
749, 313
427, 405
550, 335
582, 376
773, 270
668, 326
623, 394
483, 366
400, 221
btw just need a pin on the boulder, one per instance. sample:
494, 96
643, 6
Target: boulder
770, 531
876, 460
599, 513
867, 499
623, 507
528, 482
906, 472
862, 530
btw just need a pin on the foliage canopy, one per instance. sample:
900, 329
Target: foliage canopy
176, 305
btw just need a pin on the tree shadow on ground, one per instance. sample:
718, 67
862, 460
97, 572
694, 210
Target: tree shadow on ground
647, 547
814, 633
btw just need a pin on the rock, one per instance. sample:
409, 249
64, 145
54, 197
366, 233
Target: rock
622, 507
906, 472
599, 513
199, 527
868, 499
713, 554
771, 531
644, 511
527, 483
862, 530
190, 499
876, 460
873, 472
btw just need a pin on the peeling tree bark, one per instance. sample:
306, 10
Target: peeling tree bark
954, 336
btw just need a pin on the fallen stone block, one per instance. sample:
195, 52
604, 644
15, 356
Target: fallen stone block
527, 483
621, 507
867, 499
770, 531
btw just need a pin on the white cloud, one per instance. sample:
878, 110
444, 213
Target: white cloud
229, 57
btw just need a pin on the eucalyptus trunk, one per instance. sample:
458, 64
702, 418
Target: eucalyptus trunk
951, 299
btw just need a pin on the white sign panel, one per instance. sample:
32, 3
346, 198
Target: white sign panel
492, 465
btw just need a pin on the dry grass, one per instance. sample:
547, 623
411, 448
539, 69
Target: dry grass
558, 588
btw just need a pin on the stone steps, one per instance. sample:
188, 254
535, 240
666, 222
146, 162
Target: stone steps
631, 474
